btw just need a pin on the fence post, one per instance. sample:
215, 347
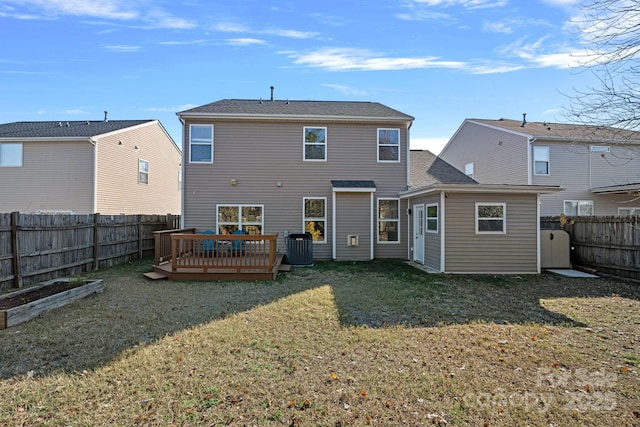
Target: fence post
96, 242
15, 248
140, 241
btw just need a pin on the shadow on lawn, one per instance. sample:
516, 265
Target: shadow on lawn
135, 311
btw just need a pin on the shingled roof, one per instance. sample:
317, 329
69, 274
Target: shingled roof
284, 109
427, 169
73, 129
563, 131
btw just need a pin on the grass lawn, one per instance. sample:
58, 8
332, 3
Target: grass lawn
339, 344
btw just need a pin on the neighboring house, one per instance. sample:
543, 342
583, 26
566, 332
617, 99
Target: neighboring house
460, 226
106, 167
333, 169
599, 167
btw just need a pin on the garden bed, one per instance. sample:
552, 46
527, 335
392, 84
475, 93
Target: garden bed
25, 304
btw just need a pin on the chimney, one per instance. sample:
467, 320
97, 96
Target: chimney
524, 120
106, 118
272, 93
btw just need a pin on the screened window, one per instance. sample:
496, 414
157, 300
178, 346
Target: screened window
578, 207
490, 218
468, 169
201, 143
388, 145
315, 217
541, 160
248, 218
143, 171
315, 143
10, 155
388, 221
432, 218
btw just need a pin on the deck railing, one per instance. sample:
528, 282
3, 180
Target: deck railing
235, 252
163, 243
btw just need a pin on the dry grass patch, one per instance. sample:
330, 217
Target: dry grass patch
376, 343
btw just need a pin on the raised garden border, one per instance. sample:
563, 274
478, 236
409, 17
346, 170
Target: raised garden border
15, 315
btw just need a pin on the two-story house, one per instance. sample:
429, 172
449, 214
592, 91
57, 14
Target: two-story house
106, 166
333, 169
599, 167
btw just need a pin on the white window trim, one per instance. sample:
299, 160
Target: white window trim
635, 211
191, 126
305, 219
468, 169
239, 223
379, 220
305, 143
427, 218
3, 165
378, 145
503, 219
140, 171
548, 161
593, 212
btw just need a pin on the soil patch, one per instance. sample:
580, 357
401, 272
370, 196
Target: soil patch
36, 294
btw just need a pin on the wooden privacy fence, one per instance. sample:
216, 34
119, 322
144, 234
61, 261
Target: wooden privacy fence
609, 244
35, 247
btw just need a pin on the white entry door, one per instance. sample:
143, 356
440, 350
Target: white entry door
418, 233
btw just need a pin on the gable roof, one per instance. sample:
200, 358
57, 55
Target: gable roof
427, 169
296, 109
73, 129
563, 131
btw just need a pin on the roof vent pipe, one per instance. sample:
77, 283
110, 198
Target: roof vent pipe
106, 114
272, 93
524, 120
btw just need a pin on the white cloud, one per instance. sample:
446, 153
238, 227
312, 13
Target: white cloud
347, 90
122, 48
230, 27
346, 59
245, 42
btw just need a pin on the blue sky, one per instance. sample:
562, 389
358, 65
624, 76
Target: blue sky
440, 61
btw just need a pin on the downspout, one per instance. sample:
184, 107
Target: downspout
409, 155
443, 197
93, 142
538, 265
184, 162
373, 236
409, 229
333, 225
529, 157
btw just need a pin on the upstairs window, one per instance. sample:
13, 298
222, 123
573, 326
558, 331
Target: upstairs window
143, 171
541, 160
388, 221
578, 207
10, 155
315, 217
490, 218
388, 145
315, 143
201, 143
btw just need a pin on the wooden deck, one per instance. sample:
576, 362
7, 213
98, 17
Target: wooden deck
215, 257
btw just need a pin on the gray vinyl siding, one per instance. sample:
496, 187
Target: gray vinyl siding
258, 155
432, 241
513, 252
498, 157
353, 217
54, 177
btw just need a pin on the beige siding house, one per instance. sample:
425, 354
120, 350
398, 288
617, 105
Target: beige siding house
598, 167
333, 169
460, 226
107, 167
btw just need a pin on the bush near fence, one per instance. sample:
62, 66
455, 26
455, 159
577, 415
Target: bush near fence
608, 244
35, 247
